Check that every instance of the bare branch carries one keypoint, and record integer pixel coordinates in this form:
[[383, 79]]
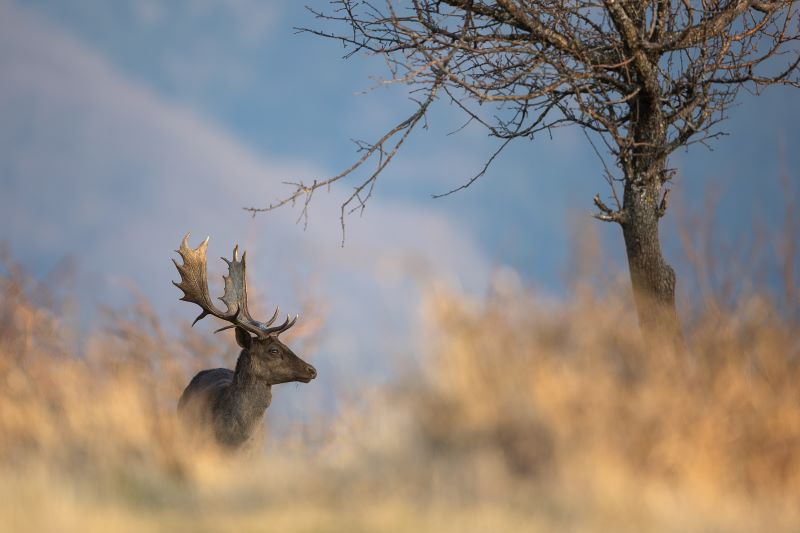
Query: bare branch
[[607, 214], [478, 175], [645, 77]]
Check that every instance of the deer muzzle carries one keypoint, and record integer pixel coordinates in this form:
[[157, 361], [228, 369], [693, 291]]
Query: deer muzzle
[[310, 373]]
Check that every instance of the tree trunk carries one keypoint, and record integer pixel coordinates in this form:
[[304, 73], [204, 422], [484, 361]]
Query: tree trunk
[[652, 279]]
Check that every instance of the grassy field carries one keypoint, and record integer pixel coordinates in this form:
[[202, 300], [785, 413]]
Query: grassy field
[[523, 415]]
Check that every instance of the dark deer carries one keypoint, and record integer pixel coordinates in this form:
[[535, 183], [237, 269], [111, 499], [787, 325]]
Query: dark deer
[[227, 404]]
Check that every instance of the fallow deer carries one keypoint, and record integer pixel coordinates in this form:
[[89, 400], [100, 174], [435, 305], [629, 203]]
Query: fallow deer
[[230, 405]]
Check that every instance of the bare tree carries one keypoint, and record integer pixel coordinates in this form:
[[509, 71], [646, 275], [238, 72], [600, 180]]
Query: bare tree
[[641, 77]]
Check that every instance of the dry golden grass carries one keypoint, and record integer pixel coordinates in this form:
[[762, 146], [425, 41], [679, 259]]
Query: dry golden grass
[[523, 415]]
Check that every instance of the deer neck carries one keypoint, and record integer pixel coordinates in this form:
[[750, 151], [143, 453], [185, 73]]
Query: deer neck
[[248, 396]]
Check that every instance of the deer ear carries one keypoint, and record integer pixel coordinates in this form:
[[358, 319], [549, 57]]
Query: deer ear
[[243, 338]]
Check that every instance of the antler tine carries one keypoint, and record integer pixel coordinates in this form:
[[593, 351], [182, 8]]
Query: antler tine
[[266, 331], [283, 327], [274, 316]]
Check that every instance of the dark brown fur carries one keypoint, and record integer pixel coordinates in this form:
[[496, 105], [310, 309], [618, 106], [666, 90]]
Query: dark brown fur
[[230, 405]]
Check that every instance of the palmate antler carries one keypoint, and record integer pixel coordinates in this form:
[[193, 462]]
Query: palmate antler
[[194, 284]]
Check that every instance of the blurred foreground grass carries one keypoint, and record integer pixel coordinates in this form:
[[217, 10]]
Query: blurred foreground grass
[[523, 415]]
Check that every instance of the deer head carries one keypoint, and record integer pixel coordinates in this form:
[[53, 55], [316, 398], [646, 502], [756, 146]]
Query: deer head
[[270, 361]]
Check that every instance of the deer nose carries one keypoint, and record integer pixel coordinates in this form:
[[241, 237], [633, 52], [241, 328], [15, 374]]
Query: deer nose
[[312, 371]]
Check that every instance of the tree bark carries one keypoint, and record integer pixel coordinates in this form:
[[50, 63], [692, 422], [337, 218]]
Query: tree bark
[[652, 279]]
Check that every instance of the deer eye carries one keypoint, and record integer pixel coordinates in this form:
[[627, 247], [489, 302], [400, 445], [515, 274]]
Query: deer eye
[[273, 351]]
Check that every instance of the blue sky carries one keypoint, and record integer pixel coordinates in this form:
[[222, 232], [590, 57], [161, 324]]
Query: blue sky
[[127, 123]]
